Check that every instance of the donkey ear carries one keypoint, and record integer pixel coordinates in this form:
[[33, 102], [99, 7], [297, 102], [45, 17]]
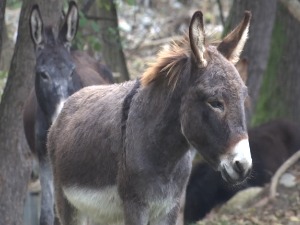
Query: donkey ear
[[242, 68], [69, 29], [197, 38], [36, 25], [233, 44]]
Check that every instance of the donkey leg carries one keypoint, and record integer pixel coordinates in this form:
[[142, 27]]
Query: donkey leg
[[67, 214], [47, 216], [47, 199], [180, 217], [170, 218], [135, 213]]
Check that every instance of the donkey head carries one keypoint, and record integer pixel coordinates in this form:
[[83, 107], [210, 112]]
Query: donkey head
[[55, 70], [212, 111]]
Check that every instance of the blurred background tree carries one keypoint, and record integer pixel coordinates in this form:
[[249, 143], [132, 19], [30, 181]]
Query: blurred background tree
[[273, 58], [258, 45], [2, 18], [103, 19], [280, 89]]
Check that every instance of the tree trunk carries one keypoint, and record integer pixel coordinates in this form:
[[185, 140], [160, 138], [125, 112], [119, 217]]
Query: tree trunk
[[2, 21], [7, 50], [258, 45], [110, 38], [279, 95], [15, 160]]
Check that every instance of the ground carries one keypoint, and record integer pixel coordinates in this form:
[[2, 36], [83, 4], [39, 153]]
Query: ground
[[283, 210]]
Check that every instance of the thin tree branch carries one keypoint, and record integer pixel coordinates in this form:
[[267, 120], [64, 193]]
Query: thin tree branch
[[293, 7], [293, 159]]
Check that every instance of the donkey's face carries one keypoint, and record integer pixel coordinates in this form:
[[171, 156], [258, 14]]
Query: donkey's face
[[212, 112], [56, 78]]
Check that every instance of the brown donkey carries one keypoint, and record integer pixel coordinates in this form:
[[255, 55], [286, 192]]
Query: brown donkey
[[120, 153], [59, 73]]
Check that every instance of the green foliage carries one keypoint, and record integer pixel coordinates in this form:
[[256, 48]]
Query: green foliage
[[95, 27], [82, 19], [89, 30], [89, 34], [130, 2], [3, 75], [113, 34], [13, 3], [270, 104], [104, 4]]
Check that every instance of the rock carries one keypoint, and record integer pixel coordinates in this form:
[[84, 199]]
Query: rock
[[288, 180], [34, 187], [124, 26], [239, 201]]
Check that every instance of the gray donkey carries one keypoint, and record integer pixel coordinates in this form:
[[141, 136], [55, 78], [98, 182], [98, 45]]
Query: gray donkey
[[59, 73], [120, 153]]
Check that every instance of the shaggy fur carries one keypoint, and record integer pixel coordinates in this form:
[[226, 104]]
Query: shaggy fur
[[140, 178]]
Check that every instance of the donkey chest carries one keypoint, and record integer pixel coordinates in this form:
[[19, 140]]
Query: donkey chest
[[105, 206]]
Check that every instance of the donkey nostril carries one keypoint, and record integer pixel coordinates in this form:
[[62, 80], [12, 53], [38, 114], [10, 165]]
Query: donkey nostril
[[239, 167]]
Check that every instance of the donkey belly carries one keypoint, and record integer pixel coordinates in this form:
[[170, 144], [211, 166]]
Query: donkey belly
[[103, 205]]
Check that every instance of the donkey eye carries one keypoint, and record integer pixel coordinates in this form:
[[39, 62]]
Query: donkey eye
[[217, 105], [44, 76], [72, 71]]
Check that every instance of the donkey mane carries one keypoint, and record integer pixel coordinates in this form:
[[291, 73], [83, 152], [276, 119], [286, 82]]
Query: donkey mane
[[170, 61]]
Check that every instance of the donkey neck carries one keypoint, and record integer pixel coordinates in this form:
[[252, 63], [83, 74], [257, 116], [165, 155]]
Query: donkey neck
[[155, 110]]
